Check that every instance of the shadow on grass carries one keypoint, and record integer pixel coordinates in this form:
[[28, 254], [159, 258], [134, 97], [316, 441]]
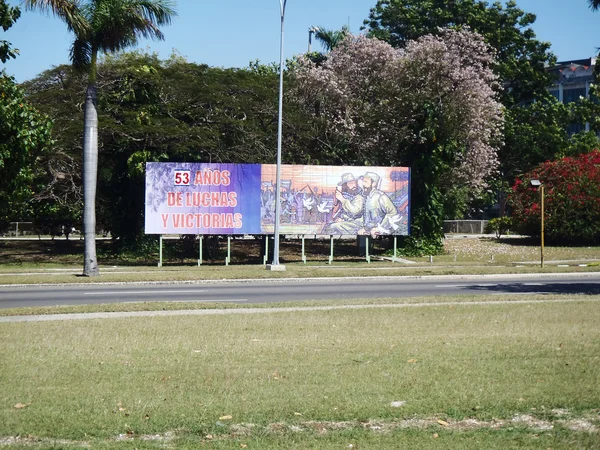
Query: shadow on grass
[[183, 252], [527, 241], [41, 251], [524, 241]]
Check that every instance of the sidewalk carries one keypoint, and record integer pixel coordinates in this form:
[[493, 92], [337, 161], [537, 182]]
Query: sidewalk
[[213, 312]]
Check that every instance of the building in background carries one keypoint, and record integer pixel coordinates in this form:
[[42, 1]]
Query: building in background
[[573, 80]]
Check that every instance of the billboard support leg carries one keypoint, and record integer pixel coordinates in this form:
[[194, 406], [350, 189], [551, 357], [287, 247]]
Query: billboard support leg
[[160, 250], [228, 257], [303, 254], [266, 257], [367, 256], [395, 246], [200, 250], [330, 249]]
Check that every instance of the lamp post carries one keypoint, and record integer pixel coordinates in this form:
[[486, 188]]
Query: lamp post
[[538, 183], [311, 30], [275, 264]]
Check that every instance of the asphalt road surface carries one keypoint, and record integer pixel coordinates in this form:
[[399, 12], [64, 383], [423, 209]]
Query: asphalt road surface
[[287, 290]]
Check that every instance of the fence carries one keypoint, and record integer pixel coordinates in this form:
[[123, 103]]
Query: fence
[[19, 229], [465, 226]]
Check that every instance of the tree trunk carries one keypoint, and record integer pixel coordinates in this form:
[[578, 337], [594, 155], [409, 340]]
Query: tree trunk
[[90, 176]]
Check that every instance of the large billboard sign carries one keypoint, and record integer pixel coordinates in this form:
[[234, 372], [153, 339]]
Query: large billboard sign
[[206, 198]]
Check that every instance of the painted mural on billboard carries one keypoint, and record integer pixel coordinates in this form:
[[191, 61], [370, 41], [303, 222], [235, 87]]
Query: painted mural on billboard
[[199, 198]]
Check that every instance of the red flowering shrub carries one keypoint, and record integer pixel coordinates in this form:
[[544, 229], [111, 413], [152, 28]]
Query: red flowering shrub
[[571, 200]]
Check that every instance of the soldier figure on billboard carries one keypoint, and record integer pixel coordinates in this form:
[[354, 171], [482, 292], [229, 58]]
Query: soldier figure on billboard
[[348, 208], [380, 215]]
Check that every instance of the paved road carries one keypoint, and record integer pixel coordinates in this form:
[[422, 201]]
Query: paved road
[[287, 290]]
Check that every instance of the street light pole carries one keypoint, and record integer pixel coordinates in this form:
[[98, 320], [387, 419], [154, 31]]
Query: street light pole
[[275, 264], [538, 183], [542, 246], [311, 30]]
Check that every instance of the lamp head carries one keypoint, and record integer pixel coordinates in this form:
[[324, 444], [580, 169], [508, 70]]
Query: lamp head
[[535, 183]]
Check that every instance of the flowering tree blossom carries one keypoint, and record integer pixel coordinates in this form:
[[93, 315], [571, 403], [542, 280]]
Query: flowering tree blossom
[[347, 89], [376, 98], [449, 78], [431, 105]]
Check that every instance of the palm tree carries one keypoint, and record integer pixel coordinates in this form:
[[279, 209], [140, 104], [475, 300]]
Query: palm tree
[[595, 4], [330, 39], [101, 26]]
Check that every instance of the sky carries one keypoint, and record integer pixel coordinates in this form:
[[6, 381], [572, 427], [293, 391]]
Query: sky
[[231, 33]]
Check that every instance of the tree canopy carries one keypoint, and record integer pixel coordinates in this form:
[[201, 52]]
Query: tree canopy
[[8, 16], [520, 57], [24, 136], [535, 122], [443, 101], [167, 110]]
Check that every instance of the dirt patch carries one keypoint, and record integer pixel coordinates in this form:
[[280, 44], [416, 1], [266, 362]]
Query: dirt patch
[[579, 425]]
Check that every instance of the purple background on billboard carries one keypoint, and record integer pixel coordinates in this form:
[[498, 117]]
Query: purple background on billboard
[[193, 218]]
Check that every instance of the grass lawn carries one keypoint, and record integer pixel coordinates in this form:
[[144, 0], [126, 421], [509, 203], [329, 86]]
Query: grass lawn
[[470, 376]]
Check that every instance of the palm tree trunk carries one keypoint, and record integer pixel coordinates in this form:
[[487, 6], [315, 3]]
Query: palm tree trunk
[[90, 174]]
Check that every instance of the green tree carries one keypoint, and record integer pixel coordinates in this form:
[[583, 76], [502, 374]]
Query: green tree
[[533, 134], [8, 16], [541, 130], [520, 57], [101, 26], [168, 110], [25, 135]]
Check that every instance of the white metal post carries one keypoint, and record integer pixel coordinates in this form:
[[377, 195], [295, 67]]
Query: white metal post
[[275, 264], [160, 245]]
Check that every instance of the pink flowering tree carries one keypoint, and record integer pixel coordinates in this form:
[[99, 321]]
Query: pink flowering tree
[[431, 106], [571, 200]]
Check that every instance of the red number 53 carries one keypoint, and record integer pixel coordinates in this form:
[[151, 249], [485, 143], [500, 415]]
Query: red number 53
[[182, 178]]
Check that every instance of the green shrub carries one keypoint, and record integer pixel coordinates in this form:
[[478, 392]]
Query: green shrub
[[499, 225]]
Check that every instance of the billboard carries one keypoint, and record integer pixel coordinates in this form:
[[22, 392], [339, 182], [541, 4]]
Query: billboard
[[207, 198]]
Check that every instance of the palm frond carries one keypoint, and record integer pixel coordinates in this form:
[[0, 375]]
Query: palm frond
[[69, 11], [595, 4], [330, 39], [160, 12], [81, 55], [119, 24]]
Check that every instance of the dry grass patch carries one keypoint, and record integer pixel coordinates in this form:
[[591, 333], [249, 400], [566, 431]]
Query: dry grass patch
[[511, 250]]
